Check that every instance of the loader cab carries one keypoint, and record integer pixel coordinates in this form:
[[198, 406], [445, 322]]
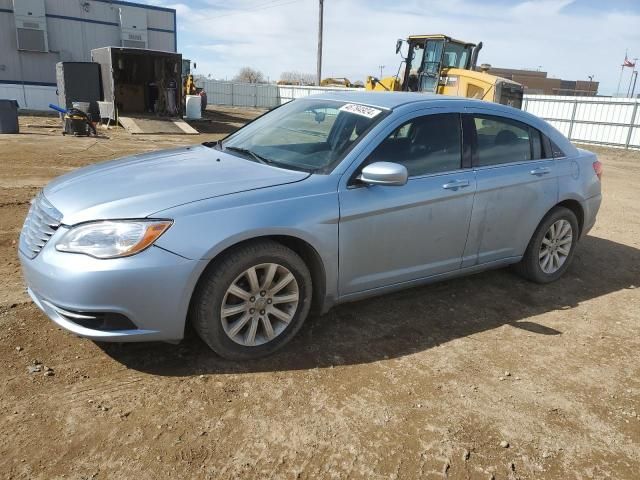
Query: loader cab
[[426, 57]]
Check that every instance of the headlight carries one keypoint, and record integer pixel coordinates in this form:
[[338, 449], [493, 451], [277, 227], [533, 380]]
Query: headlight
[[111, 239]]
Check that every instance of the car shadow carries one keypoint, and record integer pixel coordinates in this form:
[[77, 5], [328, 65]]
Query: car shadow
[[412, 320]]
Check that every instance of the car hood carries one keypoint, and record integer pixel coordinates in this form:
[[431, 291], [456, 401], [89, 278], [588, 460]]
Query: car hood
[[140, 185]]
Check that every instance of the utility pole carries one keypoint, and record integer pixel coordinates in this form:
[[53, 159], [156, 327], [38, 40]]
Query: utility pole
[[319, 70], [381, 67], [590, 77], [617, 94]]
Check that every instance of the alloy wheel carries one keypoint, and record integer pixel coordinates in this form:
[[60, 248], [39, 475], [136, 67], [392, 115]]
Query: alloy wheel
[[259, 304], [555, 247]]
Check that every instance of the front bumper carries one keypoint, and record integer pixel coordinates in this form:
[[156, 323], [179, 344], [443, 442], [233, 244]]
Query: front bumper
[[151, 290]]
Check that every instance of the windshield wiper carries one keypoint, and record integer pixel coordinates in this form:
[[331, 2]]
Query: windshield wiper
[[246, 151], [217, 144], [267, 161]]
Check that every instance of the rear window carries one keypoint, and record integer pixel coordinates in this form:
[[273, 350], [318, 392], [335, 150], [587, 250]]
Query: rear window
[[502, 140]]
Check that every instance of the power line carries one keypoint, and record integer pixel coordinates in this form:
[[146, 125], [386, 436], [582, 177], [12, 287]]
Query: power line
[[262, 6]]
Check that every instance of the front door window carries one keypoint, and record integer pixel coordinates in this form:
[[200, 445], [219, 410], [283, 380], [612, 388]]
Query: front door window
[[424, 145]]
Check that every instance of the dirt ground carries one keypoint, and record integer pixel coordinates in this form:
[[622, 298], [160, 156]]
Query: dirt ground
[[425, 383]]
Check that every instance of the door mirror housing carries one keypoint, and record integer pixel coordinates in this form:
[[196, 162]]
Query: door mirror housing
[[384, 173]]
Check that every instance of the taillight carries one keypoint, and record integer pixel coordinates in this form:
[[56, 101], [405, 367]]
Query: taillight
[[597, 167]]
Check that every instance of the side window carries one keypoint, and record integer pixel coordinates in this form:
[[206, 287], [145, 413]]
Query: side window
[[402, 132], [546, 143], [551, 150], [536, 144], [428, 144], [502, 140], [556, 150]]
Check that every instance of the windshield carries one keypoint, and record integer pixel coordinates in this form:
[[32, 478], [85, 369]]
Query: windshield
[[309, 135]]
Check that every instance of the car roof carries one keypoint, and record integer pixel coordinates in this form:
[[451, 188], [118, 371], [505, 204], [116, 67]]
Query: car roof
[[393, 100], [390, 100]]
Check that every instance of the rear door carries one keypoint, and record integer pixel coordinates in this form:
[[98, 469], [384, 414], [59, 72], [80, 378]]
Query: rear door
[[516, 185]]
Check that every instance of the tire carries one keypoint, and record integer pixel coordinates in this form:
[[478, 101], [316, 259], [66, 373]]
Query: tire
[[230, 275], [531, 265]]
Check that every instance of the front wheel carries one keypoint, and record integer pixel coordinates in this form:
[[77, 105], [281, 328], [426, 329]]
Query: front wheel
[[252, 301], [551, 248]]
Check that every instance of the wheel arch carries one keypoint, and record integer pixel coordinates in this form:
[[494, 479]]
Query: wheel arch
[[570, 203], [314, 262], [525, 267], [304, 249], [576, 207]]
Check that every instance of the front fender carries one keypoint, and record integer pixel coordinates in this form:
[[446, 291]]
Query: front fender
[[307, 211]]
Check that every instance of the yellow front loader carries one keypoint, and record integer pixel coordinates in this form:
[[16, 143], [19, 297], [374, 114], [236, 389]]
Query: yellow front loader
[[441, 64]]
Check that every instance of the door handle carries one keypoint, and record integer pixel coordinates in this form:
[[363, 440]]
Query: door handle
[[455, 184], [540, 171]]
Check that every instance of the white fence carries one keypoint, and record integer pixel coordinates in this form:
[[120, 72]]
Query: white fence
[[597, 120], [30, 97], [257, 95]]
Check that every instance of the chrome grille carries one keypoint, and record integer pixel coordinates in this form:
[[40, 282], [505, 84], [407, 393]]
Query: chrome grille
[[42, 221]]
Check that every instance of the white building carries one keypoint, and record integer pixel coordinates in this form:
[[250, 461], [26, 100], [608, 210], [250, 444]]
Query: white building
[[37, 34]]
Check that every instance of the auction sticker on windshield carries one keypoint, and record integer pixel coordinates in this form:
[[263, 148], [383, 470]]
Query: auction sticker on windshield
[[363, 110]]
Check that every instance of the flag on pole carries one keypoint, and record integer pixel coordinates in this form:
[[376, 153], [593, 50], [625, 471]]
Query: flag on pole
[[628, 63]]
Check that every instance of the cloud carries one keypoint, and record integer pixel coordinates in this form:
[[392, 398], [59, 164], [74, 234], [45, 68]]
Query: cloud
[[359, 35]]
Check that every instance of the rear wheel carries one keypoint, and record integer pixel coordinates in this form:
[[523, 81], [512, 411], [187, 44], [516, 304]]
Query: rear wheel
[[252, 301], [551, 248]]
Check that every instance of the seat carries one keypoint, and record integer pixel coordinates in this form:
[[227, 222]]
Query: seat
[[430, 149], [505, 137]]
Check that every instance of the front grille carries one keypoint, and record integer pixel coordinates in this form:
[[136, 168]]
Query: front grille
[[42, 221]]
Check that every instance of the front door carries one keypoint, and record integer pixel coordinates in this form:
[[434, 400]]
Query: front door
[[394, 234], [431, 66]]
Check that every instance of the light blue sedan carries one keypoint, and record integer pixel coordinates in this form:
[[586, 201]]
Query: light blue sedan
[[324, 200]]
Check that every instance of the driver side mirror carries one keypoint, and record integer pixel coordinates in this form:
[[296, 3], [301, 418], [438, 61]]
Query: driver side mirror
[[319, 117], [384, 173], [398, 46]]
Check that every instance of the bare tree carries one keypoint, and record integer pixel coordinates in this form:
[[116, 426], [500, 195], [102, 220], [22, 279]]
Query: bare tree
[[297, 78], [199, 79], [249, 75]]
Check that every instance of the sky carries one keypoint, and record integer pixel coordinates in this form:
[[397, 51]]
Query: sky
[[569, 39]]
